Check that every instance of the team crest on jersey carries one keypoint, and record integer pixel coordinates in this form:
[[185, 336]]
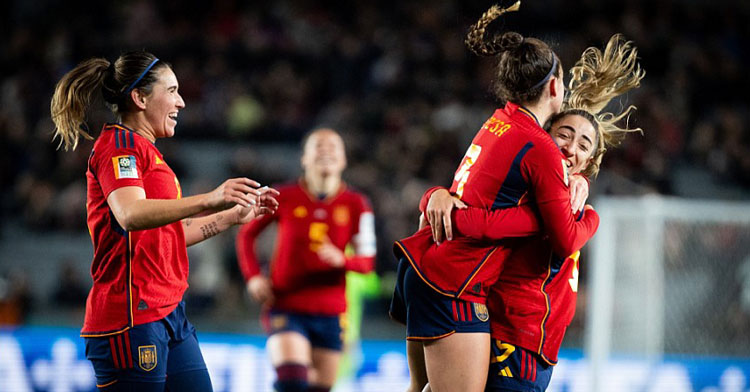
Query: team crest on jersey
[[300, 212], [565, 171], [341, 215], [125, 166], [147, 357], [481, 311]]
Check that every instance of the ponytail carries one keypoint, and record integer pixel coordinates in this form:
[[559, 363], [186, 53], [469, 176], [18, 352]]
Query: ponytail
[[524, 64], [72, 97], [499, 43], [75, 91]]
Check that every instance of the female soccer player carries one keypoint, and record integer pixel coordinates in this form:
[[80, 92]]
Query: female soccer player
[[137, 335], [442, 290], [534, 299], [303, 292]]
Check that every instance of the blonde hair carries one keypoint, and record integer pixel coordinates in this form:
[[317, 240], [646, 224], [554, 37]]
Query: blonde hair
[[597, 78], [72, 97], [76, 90]]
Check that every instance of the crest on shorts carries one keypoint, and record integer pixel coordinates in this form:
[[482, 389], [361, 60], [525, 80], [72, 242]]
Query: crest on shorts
[[147, 357], [278, 321], [481, 311]]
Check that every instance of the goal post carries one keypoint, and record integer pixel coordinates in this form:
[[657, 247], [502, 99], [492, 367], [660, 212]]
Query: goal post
[[664, 276]]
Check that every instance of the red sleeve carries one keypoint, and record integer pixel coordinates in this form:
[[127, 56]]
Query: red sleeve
[[121, 167], [245, 245], [426, 197], [363, 240], [482, 224], [544, 170]]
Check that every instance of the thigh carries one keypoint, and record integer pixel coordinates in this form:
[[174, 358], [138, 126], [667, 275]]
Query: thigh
[[417, 370], [458, 362], [325, 366], [288, 347]]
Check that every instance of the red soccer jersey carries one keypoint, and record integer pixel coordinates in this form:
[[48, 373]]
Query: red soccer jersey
[[512, 161], [534, 300], [301, 281], [139, 276]]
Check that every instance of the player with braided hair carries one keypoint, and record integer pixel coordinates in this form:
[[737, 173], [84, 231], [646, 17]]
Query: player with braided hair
[[534, 299], [442, 290]]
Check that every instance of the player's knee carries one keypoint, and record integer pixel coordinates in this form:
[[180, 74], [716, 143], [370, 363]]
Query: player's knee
[[291, 377]]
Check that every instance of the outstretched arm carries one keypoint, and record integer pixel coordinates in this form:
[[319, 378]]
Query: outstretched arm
[[133, 211], [205, 227]]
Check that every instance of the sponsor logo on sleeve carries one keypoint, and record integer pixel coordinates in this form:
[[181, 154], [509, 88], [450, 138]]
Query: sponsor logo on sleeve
[[125, 166]]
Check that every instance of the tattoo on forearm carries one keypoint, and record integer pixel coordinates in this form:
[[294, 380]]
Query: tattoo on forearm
[[209, 230]]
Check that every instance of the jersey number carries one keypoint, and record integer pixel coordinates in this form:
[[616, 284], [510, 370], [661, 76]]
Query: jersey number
[[462, 175], [508, 349], [574, 279], [318, 234]]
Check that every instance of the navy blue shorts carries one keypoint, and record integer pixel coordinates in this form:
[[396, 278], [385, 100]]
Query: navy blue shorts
[[148, 352], [322, 331], [430, 315], [515, 369]]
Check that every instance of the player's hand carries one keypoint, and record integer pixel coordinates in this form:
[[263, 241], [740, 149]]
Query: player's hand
[[232, 192], [331, 255], [579, 192], [438, 214], [422, 222], [265, 204], [260, 290]]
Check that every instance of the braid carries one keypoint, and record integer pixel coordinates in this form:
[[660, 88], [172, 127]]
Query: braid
[[499, 43]]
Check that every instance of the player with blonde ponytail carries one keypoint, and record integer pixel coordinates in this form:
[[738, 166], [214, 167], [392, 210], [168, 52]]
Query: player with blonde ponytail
[[136, 331]]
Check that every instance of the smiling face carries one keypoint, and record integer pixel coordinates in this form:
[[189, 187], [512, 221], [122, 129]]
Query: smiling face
[[163, 104], [576, 138], [323, 153]]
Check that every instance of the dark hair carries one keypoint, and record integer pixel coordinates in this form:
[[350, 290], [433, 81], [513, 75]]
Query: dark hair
[[74, 92], [524, 64]]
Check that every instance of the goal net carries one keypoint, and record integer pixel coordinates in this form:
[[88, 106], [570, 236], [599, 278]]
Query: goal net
[[667, 277]]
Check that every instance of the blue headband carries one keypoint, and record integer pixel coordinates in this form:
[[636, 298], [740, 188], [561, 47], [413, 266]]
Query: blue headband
[[549, 75], [145, 71]]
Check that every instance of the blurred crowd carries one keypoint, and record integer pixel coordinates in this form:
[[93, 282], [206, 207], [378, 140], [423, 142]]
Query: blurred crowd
[[393, 76]]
